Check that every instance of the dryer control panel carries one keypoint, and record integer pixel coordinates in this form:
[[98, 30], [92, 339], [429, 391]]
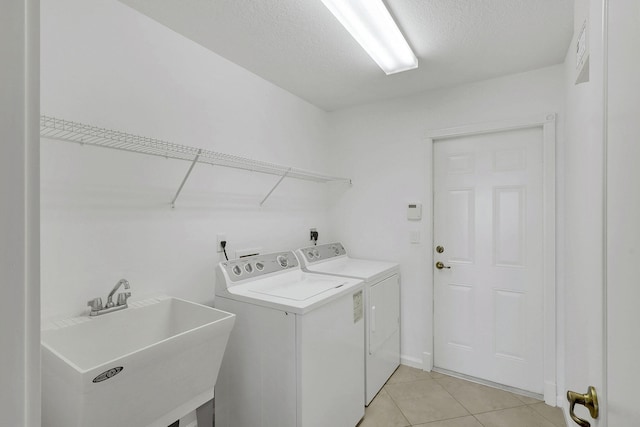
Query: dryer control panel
[[323, 252], [259, 265]]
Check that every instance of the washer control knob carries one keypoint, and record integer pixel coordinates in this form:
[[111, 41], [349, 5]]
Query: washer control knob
[[248, 268], [316, 253], [259, 266], [236, 270], [283, 261], [310, 255]]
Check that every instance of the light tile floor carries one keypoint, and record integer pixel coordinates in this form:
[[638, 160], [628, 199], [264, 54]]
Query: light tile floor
[[413, 397]]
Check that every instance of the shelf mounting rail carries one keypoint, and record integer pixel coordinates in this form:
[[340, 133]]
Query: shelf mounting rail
[[64, 130]]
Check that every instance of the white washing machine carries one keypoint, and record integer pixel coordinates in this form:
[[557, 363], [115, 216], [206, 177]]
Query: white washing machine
[[295, 356], [382, 307]]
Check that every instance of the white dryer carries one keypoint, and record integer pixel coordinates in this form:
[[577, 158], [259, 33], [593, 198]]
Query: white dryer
[[295, 356], [382, 307]]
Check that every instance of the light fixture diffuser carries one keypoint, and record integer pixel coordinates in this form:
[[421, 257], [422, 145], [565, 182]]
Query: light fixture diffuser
[[371, 24]]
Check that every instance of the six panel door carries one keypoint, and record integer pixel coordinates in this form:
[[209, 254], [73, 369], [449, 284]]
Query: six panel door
[[488, 217]]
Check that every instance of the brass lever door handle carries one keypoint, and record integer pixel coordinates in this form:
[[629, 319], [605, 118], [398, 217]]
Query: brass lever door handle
[[589, 400], [440, 265]]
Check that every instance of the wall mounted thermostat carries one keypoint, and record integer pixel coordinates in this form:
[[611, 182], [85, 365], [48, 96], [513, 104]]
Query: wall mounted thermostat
[[414, 211]]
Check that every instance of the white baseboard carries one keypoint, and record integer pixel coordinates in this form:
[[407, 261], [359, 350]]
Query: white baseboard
[[550, 393], [427, 362], [413, 362]]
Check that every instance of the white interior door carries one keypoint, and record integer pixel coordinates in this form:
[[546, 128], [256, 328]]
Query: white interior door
[[623, 216], [488, 217]]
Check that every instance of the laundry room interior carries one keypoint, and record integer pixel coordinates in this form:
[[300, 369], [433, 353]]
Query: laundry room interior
[[192, 153]]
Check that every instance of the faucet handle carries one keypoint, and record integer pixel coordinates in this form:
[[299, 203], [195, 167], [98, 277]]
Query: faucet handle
[[122, 298], [95, 304]]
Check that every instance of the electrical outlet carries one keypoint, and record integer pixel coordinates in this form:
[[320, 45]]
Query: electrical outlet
[[220, 238], [313, 235]]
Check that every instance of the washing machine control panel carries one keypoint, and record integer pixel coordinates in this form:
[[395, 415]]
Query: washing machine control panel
[[259, 265], [322, 252]]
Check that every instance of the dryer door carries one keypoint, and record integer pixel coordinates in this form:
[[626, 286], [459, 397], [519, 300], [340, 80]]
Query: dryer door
[[383, 334], [384, 312]]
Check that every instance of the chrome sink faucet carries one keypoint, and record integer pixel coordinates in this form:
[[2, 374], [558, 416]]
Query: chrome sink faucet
[[124, 282], [96, 303]]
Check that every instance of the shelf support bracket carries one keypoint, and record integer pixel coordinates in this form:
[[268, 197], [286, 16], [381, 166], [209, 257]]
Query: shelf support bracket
[[275, 186], [193, 163]]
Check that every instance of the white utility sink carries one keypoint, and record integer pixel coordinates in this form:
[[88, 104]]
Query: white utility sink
[[147, 365]]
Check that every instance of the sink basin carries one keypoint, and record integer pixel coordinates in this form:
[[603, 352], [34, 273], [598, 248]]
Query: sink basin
[[147, 365]]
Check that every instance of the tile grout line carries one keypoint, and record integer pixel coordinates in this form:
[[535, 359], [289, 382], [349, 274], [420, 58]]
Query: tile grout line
[[537, 414], [454, 398], [494, 410], [448, 419], [447, 391], [413, 380], [479, 422], [500, 409], [541, 414], [396, 405]]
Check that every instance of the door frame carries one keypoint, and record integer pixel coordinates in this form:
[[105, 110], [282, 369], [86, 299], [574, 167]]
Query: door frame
[[547, 123]]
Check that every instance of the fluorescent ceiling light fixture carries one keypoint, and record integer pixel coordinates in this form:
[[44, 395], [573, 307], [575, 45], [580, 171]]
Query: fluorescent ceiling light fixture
[[371, 24]]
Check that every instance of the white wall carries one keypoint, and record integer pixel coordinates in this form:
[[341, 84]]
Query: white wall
[[106, 214], [382, 147], [584, 210], [19, 215]]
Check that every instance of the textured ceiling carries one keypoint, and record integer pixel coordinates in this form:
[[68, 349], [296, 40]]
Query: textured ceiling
[[299, 46]]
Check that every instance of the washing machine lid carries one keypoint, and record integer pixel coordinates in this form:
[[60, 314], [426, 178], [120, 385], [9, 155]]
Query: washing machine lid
[[306, 287], [267, 280], [357, 268], [293, 291], [332, 258]]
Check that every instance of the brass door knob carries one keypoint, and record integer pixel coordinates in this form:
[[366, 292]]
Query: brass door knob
[[440, 265], [589, 400]]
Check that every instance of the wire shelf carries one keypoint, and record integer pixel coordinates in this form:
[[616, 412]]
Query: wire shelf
[[65, 130]]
